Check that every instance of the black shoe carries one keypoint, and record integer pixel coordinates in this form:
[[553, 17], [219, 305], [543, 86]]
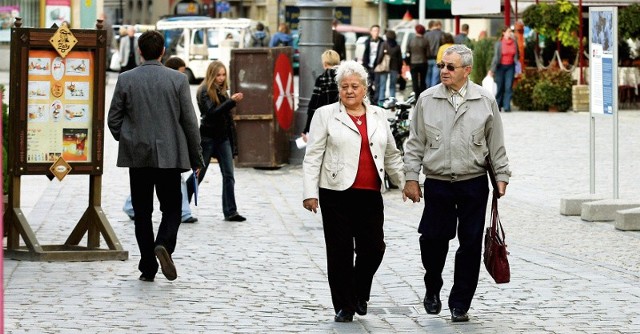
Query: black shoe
[[432, 304], [190, 220], [458, 315], [166, 263], [145, 278], [361, 307], [235, 218], [343, 316]]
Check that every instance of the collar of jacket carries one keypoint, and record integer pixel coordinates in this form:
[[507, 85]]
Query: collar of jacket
[[152, 62], [371, 112], [473, 93]]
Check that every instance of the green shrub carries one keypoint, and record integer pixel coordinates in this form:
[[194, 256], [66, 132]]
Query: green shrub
[[482, 54], [553, 90], [523, 90], [628, 23]]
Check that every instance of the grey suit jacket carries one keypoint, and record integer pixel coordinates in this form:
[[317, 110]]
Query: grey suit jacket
[[152, 117]]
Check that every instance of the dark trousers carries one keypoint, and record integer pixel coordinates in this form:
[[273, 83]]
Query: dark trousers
[[373, 88], [451, 206], [419, 78], [221, 150], [167, 186], [348, 216]]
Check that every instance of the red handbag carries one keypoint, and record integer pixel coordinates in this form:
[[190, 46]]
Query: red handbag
[[495, 249]]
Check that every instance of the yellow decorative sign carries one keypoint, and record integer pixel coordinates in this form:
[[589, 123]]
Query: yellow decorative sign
[[60, 168], [63, 40]]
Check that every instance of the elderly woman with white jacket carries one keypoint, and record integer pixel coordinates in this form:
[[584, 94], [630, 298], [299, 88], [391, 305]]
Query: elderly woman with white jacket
[[349, 150]]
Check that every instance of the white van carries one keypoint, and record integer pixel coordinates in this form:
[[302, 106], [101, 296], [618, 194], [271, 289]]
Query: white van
[[199, 39]]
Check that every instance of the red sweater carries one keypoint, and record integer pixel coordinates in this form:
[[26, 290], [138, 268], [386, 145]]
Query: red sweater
[[367, 176], [508, 51]]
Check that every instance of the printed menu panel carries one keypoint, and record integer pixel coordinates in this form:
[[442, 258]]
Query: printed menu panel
[[60, 106]]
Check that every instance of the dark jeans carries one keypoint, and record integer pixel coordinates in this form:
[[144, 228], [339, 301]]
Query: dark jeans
[[419, 78], [221, 150], [167, 186], [348, 216], [451, 206], [504, 80]]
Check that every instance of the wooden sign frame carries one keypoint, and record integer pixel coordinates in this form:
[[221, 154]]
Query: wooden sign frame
[[57, 103]]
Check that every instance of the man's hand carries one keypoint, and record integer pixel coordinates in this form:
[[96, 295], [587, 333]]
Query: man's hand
[[412, 191], [502, 188]]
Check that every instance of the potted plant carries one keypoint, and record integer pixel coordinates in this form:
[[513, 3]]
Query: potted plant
[[553, 91], [523, 90]]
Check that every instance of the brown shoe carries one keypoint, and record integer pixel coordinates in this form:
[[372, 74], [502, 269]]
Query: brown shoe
[[166, 263]]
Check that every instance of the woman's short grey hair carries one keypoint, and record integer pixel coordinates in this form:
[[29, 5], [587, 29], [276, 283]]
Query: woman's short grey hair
[[465, 53], [350, 67]]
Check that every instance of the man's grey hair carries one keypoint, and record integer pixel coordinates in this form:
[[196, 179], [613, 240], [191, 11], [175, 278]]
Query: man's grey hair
[[351, 67], [465, 53]]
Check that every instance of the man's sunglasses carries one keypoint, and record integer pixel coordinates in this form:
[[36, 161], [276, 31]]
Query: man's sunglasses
[[449, 67]]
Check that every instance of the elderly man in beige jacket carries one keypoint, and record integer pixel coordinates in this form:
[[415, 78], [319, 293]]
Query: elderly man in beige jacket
[[456, 125]]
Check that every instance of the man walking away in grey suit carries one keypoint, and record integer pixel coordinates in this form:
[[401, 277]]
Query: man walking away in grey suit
[[152, 117]]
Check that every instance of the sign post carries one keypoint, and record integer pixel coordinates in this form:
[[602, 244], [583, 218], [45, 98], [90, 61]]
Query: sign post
[[56, 128], [603, 82]]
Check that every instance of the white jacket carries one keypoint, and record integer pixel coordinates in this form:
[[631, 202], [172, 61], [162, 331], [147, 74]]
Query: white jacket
[[333, 151]]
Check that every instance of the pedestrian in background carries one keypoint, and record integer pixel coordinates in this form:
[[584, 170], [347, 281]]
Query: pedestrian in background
[[129, 56], [463, 36], [219, 137], [350, 148], [434, 36], [369, 59], [445, 42], [391, 48], [175, 63], [282, 37], [454, 127], [503, 67], [259, 38], [325, 90], [418, 57], [152, 117], [338, 40]]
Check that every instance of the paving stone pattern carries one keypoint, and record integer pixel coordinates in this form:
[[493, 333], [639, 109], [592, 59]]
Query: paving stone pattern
[[268, 274]]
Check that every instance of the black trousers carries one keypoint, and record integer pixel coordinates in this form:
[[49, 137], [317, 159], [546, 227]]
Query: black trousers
[[349, 216], [451, 206], [167, 186], [418, 78]]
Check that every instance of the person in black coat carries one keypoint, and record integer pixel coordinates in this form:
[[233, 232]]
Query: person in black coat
[[218, 132], [339, 43], [325, 90], [369, 60]]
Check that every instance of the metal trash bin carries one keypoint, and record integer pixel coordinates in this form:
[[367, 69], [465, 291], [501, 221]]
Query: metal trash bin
[[264, 118]]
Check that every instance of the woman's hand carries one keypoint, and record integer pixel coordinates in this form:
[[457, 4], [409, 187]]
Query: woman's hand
[[237, 97], [311, 204]]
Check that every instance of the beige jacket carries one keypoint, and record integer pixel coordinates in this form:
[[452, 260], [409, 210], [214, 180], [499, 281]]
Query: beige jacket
[[450, 145], [333, 150]]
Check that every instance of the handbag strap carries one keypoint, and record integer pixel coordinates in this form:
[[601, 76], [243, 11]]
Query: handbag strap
[[496, 226], [497, 232]]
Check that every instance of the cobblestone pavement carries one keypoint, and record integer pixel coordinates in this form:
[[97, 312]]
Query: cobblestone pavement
[[268, 274]]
